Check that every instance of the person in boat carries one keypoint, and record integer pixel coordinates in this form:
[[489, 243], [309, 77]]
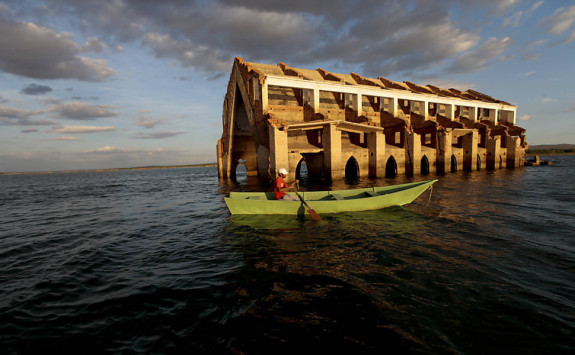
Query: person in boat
[[281, 187]]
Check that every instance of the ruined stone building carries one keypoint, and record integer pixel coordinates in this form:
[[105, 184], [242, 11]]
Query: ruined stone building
[[347, 125]]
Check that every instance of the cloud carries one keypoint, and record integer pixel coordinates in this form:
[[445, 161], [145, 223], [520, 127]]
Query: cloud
[[547, 100], [149, 122], [522, 75], [158, 135], [566, 40], [82, 111], [31, 130], [82, 129], [19, 117], [560, 21], [479, 58], [35, 89], [40, 53], [69, 138], [526, 117], [379, 36], [3, 100], [518, 17]]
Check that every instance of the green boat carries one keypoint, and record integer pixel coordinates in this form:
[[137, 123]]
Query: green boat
[[364, 199]]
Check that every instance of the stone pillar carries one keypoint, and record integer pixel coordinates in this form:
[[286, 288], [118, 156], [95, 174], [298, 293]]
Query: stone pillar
[[278, 150], [358, 104], [315, 100], [414, 151], [473, 114], [492, 115], [220, 159], [265, 97], [449, 111], [391, 106], [444, 151], [332, 152], [376, 149], [493, 151], [470, 142], [513, 155]]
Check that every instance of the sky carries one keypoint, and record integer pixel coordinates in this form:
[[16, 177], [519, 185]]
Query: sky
[[129, 83]]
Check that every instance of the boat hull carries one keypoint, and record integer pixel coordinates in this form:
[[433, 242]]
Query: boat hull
[[328, 201]]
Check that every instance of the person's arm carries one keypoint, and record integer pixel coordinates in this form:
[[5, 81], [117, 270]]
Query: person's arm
[[290, 186]]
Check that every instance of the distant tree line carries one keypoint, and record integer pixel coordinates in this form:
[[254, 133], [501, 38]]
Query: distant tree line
[[550, 151]]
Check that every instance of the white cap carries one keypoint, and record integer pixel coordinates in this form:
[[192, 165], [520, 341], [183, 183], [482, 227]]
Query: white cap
[[283, 171]]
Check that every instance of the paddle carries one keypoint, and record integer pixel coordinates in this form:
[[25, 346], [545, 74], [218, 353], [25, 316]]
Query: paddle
[[310, 210]]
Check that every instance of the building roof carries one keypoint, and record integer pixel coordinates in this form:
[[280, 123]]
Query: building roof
[[322, 75]]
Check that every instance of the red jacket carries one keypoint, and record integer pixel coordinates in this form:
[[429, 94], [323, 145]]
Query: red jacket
[[280, 184]]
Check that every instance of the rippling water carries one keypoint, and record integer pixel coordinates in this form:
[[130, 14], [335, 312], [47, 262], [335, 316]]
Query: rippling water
[[151, 261]]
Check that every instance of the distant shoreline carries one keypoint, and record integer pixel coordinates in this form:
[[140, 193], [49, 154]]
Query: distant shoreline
[[111, 169]]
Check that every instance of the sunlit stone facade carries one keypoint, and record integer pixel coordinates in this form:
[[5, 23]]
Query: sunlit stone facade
[[346, 125]]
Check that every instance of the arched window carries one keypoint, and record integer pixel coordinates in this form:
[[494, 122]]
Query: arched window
[[453, 164], [240, 172], [301, 172], [352, 170], [391, 168], [424, 165]]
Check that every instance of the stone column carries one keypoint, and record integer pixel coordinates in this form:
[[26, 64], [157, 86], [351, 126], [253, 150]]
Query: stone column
[[493, 151], [513, 155], [492, 115], [414, 151], [358, 104], [265, 97], [473, 114], [332, 151], [278, 150], [449, 111], [376, 149], [470, 142], [444, 151]]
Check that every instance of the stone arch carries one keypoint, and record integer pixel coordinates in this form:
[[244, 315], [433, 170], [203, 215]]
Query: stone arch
[[301, 171], [239, 170], [424, 165], [453, 163], [243, 144], [391, 167], [352, 169]]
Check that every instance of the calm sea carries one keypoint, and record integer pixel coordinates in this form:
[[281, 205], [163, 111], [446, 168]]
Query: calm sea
[[151, 261]]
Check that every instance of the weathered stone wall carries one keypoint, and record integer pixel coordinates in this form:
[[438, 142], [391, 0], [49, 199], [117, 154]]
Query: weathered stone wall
[[277, 116]]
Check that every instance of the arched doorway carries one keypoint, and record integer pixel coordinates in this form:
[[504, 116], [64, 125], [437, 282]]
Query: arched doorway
[[478, 162], [239, 171], [352, 170], [424, 165], [301, 172], [391, 168], [453, 164]]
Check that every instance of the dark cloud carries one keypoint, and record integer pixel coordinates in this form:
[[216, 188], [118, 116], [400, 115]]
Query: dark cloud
[[35, 89], [378, 36], [32, 130], [38, 52]]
